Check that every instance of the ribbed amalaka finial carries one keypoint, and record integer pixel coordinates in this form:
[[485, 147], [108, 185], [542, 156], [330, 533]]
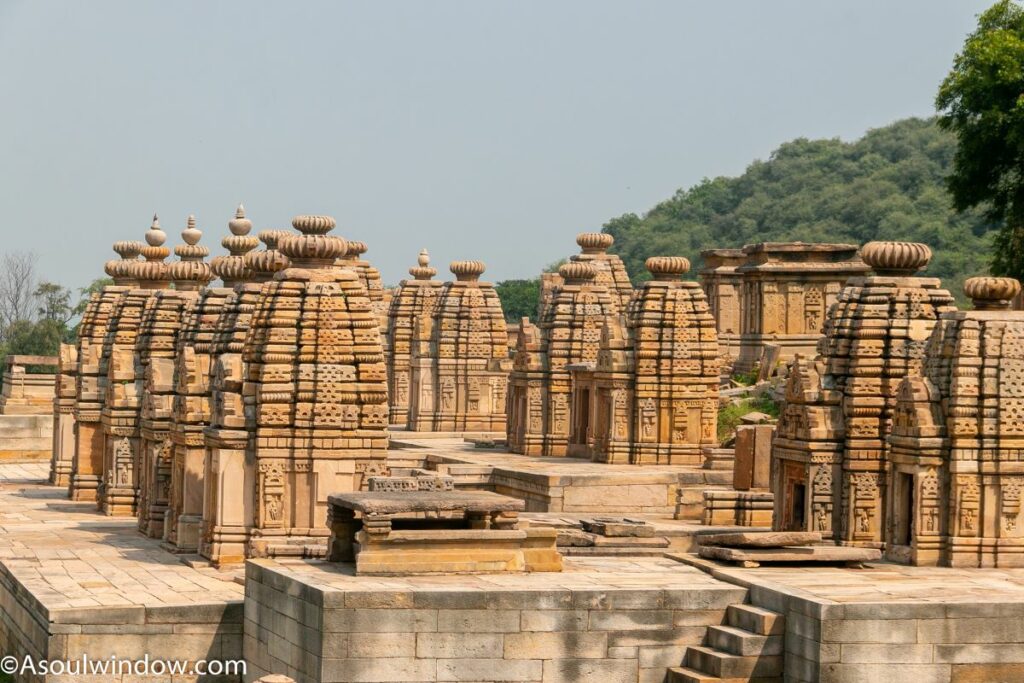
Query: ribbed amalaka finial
[[191, 272], [152, 273], [992, 293], [577, 272], [423, 271], [313, 248], [594, 242], [467, 271], [121, 269], [238, 243], [667, 267], [896, 258], [355, 249], [266, 262]]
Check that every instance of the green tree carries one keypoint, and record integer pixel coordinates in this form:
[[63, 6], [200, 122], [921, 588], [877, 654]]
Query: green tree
[[54, 302], [889, 184], [519, 298], [982, 102]]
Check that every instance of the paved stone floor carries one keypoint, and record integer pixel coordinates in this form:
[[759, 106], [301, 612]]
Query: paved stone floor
[[885, 582], [69, 556]]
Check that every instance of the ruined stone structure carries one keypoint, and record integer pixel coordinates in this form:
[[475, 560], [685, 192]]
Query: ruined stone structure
[[227, 511], [459, 367], [568, 333], [314, 372], [64, 416], [190, 412], [156, 350], [723, 286], [411, 307], [953, 488], [787, 289], [830, 454], [122, 401], [90, 382], [652, 396]]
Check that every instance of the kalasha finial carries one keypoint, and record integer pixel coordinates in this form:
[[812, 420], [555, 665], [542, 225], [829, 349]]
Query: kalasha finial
[[155, 237], [594, 242], [467, 271], [577, 271], [423, 271], [992, 293], [191, 234], [896, 258], [314, 247], [667, 267], [240, 225]]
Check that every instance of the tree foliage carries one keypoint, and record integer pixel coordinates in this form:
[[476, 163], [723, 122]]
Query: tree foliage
[[519, 298], [982, 102], [889, 184]]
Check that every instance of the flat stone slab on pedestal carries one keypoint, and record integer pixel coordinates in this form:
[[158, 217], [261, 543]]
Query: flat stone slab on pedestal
[[752, 557], [399, 502], [760, 539], [618, 526]]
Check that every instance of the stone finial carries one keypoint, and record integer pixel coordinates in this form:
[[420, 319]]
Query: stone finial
[[423, 271], [240, 225], [153, 270], [269, 261], [992, 293], [577, 271], [667, 267], [594, 242], [356, 248], [313, 248], [467, 271], [896, 258], [121, 269], [191, 271]]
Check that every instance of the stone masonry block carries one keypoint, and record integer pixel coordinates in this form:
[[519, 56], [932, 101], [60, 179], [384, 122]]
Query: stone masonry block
[[459, 645], [555, 645]]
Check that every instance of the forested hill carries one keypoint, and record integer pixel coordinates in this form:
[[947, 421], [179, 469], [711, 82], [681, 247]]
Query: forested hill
[[886, 185]]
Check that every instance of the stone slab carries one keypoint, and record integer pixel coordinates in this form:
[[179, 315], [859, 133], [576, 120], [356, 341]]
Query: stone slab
[[804, 554], [761, 539], [398, 502]]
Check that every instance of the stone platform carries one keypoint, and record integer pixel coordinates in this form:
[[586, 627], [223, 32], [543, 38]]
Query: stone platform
[[74, 582], [26, 437], [561, 484]]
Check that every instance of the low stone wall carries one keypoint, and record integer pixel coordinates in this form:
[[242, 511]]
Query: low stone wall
[[298, 625], [26, 437]]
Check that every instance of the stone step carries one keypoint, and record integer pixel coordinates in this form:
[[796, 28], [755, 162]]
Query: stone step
[[684, 674], [725, 665], [737, 641], [756, 620]]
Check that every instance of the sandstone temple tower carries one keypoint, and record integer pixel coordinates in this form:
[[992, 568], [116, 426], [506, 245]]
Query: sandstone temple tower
[[568, 333], [369, 277], [191, 409], [611, 271], [652, 398], [411, 306], [227, 510], [155, 353], [314, 369], [123, 400], [829, 457], [955, 468], [90, 383], [459, 366]]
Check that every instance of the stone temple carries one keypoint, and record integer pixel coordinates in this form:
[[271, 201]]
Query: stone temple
[[270, 463]]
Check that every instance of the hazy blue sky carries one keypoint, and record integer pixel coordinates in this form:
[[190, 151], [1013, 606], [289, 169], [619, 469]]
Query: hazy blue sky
[[486, 130]]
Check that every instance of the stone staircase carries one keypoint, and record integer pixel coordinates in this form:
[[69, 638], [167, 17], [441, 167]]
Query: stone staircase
[[748, 648]]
